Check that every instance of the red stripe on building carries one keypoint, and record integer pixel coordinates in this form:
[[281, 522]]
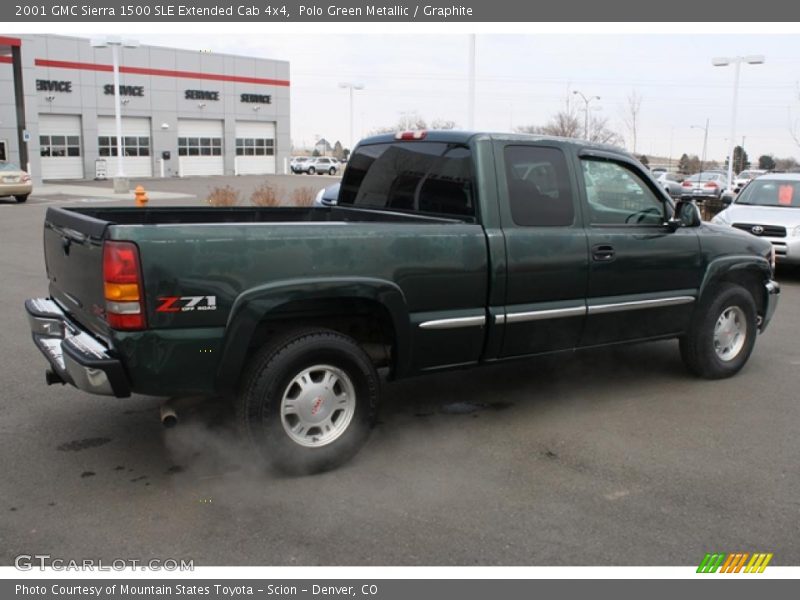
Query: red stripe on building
[[9, 41], [6, 59], [64, 64]]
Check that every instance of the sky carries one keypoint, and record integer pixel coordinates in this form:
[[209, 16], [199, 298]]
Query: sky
[[525, 79]]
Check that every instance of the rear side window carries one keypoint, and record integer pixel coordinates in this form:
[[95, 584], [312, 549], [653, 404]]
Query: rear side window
[[424, 177], [538, 186]]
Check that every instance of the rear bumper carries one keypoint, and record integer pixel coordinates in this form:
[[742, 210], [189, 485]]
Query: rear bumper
[[772, 291], [75, 356]]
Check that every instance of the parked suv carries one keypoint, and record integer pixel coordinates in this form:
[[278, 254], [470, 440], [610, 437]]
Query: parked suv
[[769, 208], [320, 165]]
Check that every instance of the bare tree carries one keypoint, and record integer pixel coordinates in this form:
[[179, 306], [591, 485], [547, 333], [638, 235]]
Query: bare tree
[[630, 117], [568, 125], [443, 124]]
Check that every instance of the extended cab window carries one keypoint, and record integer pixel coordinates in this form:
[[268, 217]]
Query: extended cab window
[[618, 196], [538, 186], [426, 177]]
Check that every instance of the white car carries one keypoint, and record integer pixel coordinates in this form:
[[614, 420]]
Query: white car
[[745, 177], [296, 163], [769, 208]]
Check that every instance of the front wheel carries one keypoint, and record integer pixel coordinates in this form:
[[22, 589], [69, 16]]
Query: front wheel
[[332, 171], [722, 334], [311, 170], [309, 400]]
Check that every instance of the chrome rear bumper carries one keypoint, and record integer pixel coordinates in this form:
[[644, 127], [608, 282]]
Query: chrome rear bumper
[[75, 356]]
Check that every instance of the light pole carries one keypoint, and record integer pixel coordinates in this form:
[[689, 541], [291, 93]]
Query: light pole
[[736, 61], [586, 101], [351, 86], [705, 142], [471, 81], [115, 43]]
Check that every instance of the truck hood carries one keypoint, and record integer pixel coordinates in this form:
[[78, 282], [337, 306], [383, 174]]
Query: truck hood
[[763, 215]]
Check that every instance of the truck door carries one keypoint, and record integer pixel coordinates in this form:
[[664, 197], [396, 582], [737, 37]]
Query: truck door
[[546, 250], [643, 276]]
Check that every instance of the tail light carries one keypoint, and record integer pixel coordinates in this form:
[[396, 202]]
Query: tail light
[[712, 184], [122, 286], [410, 135], [686, 183], [25, 178]]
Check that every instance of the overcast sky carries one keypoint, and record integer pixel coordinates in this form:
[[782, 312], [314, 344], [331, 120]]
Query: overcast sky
[[523, 80]]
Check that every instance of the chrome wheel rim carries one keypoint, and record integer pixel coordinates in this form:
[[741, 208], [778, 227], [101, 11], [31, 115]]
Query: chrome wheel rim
[[730, 333], [318, 405]]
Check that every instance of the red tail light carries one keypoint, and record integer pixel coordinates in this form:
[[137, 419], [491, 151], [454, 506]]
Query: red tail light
[[686, 183], [711, 184], [410, 135], [122, 284], [25, 178]]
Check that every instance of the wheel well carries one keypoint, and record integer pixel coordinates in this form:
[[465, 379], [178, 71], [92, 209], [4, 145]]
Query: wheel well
[[752, 281], [366, 321]]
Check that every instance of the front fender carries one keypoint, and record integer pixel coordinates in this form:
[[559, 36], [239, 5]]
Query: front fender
[[254, 305], [732, 267]]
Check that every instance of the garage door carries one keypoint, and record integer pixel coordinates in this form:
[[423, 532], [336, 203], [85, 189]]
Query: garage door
[[136, 145], [199, 147], [61, 147], [255, 148]]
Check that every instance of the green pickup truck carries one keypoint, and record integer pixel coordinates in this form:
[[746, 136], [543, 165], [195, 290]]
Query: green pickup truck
[[444, 250]]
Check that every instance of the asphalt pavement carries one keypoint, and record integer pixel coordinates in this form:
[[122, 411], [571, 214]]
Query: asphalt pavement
[[609, 457]]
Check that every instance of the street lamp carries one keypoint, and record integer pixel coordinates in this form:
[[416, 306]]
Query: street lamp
[[724, 61], [586, 101], [115, 43], [351, 87], [705, 142]]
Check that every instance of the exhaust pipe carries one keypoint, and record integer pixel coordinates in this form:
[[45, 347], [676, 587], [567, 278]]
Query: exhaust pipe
[[169, 418], [52, 378]]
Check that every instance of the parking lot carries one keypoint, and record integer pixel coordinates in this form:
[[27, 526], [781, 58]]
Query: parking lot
[[603, 457]]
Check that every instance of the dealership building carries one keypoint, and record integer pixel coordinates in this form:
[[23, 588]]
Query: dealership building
[[183, 112]]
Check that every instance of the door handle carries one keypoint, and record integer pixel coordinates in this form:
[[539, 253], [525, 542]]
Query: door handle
[[603, 253]]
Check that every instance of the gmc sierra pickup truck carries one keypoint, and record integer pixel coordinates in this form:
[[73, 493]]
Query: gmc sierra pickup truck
[[444, 250]]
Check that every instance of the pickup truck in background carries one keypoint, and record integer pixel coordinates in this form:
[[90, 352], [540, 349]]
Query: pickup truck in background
[[444, 250]]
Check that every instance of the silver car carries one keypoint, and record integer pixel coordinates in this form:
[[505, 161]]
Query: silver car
[[323, 165], [769, 207], [707, 184], [670, 182]]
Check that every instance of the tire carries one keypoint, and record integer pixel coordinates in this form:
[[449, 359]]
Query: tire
[[332, 171], [311, 170], [712, 355], [22, 198], [301, 431]]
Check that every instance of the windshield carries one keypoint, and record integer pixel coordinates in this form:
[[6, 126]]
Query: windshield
[[7, 166], [771, 193], [747, 174]]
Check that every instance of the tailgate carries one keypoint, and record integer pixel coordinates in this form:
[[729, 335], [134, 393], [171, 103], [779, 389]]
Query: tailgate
[[73, 252]]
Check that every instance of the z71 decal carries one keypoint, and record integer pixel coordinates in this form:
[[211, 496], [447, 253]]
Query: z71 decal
[[186, 303]]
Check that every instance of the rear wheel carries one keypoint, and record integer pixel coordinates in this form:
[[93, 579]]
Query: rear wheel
[[332, 171], [722, 334], [309, 400], [21, 198]]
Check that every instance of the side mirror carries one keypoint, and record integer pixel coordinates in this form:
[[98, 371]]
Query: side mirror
[[686, 215], [727, 198]]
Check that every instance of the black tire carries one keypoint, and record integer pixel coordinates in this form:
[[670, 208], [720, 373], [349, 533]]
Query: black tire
[[271, 375], [332, 171], [311, 170], [22, 198], [698, 348]]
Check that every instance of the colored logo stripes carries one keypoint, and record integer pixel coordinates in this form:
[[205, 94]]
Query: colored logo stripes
[[734, 562]]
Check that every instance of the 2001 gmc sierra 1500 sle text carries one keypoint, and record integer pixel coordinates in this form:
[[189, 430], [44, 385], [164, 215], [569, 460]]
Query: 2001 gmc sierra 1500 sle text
[[446, 249]]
